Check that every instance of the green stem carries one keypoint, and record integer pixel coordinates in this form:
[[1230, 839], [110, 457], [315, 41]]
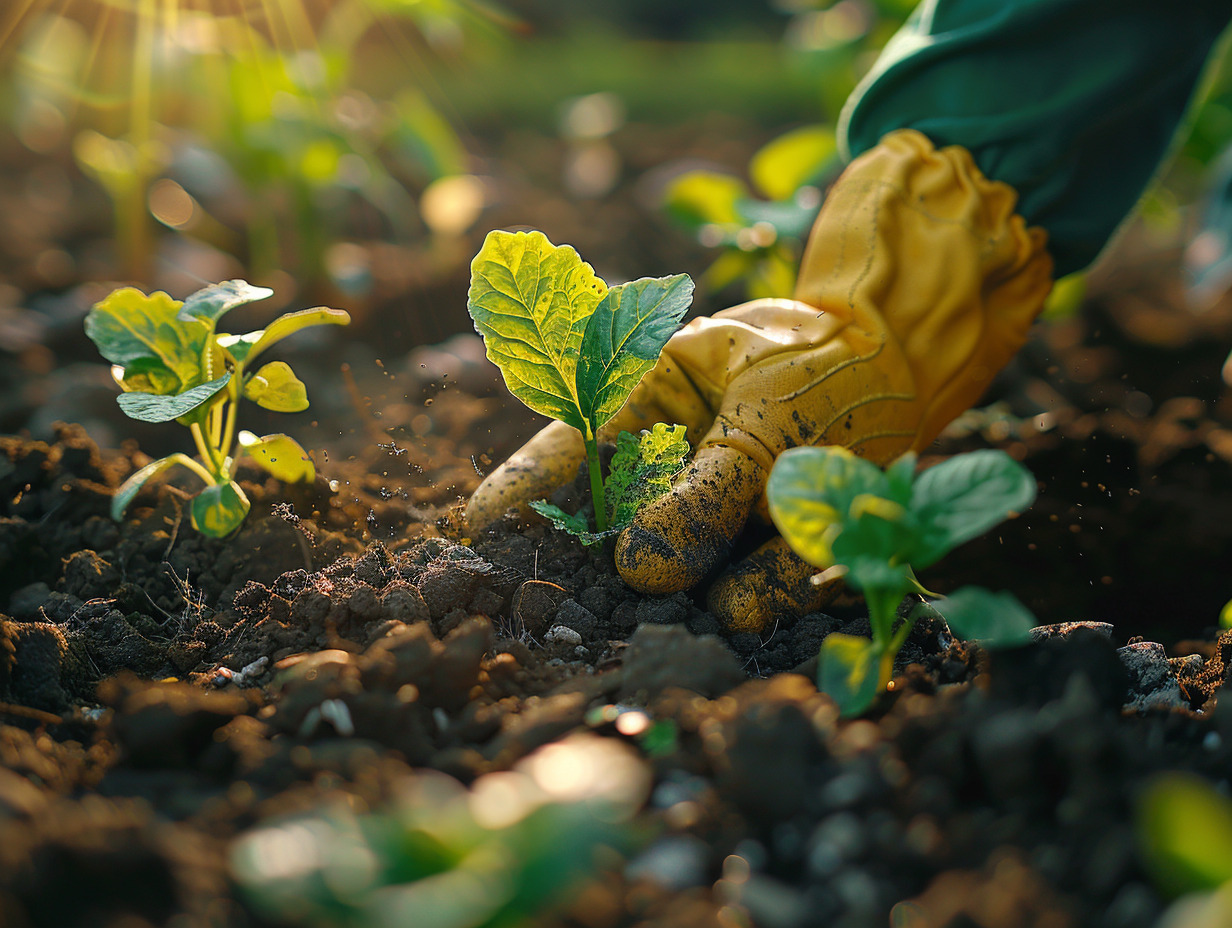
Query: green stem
[[882, 603], [900, 637], [185, 461], [596, 481], [208, 454], [228, 435]]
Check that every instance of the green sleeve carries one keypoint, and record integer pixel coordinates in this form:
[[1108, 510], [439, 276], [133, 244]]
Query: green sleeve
[[1074, 103]]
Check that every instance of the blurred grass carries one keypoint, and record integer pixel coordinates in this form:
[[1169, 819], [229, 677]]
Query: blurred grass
[[521, 84]]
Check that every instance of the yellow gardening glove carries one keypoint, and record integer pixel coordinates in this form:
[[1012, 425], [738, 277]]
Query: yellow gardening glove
[[918, 284]]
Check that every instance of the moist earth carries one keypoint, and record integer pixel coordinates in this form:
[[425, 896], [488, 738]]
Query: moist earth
[[162, 693]]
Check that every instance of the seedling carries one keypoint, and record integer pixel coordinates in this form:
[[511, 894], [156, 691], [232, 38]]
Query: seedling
[[641, 471], [571, 347], [871, 527], [171, 363], [494, 856]]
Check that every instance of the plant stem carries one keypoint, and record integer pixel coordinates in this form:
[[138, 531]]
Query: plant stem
[[900, 637], [882, 603], [208, 455], [228, 435], [185, 461], [596, 481]]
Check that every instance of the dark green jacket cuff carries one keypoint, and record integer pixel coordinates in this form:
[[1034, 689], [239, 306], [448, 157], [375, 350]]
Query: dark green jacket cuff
[[1074, 103]]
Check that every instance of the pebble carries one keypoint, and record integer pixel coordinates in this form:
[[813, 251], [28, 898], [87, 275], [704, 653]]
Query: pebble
[[562, 636]]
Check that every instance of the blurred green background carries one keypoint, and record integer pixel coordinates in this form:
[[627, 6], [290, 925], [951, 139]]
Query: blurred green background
[[355, 151]]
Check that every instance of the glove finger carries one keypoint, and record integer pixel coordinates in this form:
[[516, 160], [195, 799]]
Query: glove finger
[[547, 461], [771, 583], [680, 538]]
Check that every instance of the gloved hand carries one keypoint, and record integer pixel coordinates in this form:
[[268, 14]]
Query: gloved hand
[[918, 284]]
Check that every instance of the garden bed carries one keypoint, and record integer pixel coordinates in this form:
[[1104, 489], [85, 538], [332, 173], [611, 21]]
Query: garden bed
[[163, 694]]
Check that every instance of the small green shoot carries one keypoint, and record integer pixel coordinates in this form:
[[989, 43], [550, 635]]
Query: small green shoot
[[845, 515], [172, 363], [641, 471], [569, 346]]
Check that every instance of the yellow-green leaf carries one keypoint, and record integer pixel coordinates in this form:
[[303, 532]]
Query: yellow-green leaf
[[155, 380], [285, 325], [530, 300], [1185, 833], [281, 455], [643, 468], [141, 334], [623, 339], [132, 486], [810, 493], [219, 510], [701, 197], [852, 670], [152, 407], [276, 387], [796, 158], [209, 303]]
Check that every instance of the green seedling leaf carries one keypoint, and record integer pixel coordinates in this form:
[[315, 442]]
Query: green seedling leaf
[[276, 387], [281, 455], [965, 496], [1185, 834], [994, 619], [643, 468], [792, 160], [575, 525], [287, 324], [700, 198], [530, 300], [155, 380], [239, 346], [132, 486], [869, 572], [143, 334], [623, 339], [851, 670], [811, 492], [219, 510], [150, 407], [1225, 615], [210, 303]]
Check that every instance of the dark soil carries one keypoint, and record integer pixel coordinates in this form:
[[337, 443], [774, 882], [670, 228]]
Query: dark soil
[[162, 694]]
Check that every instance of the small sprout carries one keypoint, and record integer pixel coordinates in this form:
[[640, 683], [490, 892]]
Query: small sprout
[[172, 364], [642, 470], [870, 527], [567, 345]]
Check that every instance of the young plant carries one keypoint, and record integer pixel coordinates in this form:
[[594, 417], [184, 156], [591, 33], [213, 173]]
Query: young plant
[[569, 346], [172, 363], [641, 471], [871, 527]]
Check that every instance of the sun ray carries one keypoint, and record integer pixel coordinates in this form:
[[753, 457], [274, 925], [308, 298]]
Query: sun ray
[[98, 37], [23, 10]]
